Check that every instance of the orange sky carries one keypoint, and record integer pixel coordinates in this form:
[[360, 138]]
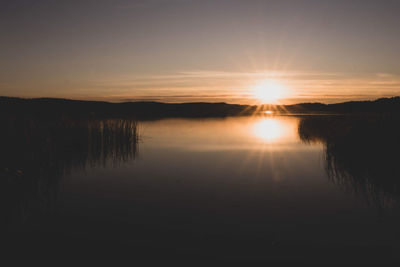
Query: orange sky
[[184, 50]]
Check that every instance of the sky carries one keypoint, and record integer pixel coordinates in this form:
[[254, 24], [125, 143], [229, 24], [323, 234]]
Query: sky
[[187, 50]]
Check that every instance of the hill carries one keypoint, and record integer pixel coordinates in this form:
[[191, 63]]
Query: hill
[[54, 107]]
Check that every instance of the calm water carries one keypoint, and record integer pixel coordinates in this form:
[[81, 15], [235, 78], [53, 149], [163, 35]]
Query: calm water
[[243, 188]]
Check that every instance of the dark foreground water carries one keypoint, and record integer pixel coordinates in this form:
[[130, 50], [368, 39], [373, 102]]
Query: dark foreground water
[[202, 192]]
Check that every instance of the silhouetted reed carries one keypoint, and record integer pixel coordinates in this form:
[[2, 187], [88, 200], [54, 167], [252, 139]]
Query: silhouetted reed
[[361, 152], [36, 153]]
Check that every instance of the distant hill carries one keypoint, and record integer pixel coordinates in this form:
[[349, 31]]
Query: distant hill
[[380, 105], [54, 107]]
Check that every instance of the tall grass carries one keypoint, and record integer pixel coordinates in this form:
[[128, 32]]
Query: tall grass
[[35, 154], [361, 153]]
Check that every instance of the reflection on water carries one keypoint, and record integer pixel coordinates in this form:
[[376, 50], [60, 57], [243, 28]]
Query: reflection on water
[[240, 187], [35, 154], [361, 154], [271, 129]]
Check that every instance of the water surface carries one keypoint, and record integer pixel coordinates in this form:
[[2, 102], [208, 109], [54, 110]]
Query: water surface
[[228, 189]]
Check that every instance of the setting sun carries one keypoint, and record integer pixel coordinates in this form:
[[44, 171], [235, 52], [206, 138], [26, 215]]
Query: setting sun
[[269, 91]]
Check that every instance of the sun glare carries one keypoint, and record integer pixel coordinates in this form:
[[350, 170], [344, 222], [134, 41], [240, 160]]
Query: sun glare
[[269, 130], [269, 92]]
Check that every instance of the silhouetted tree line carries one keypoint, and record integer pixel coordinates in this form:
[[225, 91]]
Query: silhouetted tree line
[[36, 153], [361, 153], [60, 108], [382, 105]]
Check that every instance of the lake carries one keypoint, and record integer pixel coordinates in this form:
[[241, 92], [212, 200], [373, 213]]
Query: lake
[[215, 190]]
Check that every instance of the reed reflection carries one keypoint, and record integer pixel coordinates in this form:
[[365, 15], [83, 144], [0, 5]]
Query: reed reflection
[[36, 153], [361, 153]]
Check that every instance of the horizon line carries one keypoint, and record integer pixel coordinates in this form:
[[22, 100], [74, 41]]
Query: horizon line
[[196, 102]]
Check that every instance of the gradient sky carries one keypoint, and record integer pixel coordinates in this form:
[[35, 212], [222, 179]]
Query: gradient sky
[[186, 50]]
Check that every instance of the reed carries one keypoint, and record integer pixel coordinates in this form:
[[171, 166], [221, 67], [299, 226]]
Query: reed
[[35, 154], [361, 153]]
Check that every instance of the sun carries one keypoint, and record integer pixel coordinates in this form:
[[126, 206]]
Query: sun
[[269, 91]]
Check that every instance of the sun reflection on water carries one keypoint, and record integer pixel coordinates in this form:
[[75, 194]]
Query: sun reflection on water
[[270, 129]]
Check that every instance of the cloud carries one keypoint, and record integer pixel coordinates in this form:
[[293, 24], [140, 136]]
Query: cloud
[[141, 4], [224, 86]]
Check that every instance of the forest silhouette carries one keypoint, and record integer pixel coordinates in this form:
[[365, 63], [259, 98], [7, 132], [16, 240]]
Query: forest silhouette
[[56, 108]]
